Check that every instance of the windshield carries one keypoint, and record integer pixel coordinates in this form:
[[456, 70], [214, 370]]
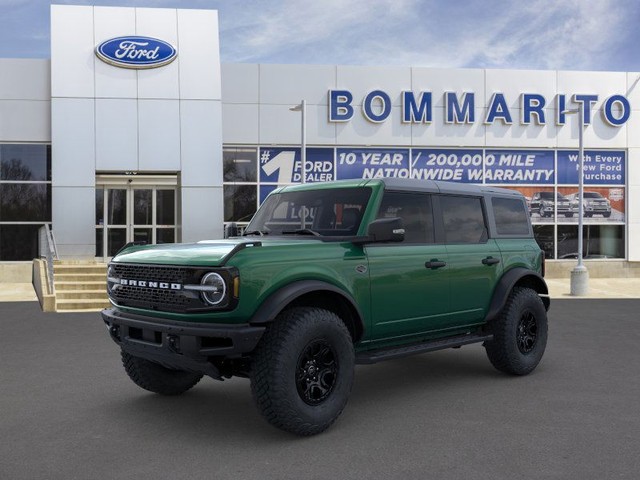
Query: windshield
[[549, 196], [592, 195], [322, 212]]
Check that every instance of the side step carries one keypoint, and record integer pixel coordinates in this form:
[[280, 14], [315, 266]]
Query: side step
[[375, 356]]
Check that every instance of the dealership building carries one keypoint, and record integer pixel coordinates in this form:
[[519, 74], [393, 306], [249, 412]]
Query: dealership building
[[134, 131]]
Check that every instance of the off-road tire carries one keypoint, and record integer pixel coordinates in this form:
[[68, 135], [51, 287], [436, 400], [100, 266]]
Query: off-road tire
[[513, 350], [606, 214], [277, 366], [156, 378]]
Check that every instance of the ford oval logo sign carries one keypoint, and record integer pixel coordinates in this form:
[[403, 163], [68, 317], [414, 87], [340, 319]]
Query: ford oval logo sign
[[136, 52]]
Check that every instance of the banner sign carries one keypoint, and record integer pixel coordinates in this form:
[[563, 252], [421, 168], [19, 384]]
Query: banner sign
[[601, 167], [283, 165], [372, 163], [519, 166], [463, 166]]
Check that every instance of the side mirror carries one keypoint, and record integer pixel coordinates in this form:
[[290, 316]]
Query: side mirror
[[386, 230], [231, 230]]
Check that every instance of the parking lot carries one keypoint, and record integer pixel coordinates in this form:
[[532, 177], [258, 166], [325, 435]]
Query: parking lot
[[70, 412]]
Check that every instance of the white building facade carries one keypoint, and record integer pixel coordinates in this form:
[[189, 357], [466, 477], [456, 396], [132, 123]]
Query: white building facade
[[108, 155]]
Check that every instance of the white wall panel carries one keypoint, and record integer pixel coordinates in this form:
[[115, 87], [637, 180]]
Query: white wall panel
[[603, 84], [116, 134], [597, 135], [74, 215], [201, 142], [25, 79], [239, 123], [202, 213], [278, 124], [441, 80], [319, 130], [159, 135], [439, 133], [240, 83], [25, 121], [633, 89], [633, 169], [634, 242], [512, 83], [199, 55], [160, 82], [360, 131], [73, 142], [72, 56], [362, 80], [290, 84], [500, 135], [114, 82]]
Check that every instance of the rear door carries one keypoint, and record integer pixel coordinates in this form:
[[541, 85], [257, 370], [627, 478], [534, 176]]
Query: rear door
[[475, 262], [409, 280]]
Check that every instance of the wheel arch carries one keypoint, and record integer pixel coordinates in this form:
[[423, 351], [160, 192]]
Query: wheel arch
[[312, 293], [517, 277]]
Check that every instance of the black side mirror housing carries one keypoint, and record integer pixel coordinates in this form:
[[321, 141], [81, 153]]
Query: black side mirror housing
[[385, 230], [231, 230]]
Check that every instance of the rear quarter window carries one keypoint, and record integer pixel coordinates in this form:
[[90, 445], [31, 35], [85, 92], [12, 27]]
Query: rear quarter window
[[511, 216]]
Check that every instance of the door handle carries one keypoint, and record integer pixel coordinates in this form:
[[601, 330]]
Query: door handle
[[434, 264], [490, 261]]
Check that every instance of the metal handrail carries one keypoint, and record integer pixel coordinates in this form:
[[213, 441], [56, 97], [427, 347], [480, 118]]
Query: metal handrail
[[48, 250]]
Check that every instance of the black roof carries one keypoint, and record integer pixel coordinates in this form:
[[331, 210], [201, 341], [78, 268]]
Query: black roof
[[445, 187]]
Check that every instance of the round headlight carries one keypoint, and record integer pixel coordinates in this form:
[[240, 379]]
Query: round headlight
[[215, 288]]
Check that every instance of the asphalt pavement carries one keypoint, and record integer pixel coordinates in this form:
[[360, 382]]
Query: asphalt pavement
[[68, 411]]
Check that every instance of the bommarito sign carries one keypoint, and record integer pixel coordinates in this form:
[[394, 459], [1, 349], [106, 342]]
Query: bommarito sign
[[459, 108]]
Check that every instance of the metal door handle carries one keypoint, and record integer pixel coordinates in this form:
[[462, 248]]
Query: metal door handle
[[433, 264], [490, 261]]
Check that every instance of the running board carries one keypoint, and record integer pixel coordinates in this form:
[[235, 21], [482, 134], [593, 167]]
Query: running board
[[374, 356]]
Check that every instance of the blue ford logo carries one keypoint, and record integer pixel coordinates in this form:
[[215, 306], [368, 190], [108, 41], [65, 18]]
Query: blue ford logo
[[136, 52]]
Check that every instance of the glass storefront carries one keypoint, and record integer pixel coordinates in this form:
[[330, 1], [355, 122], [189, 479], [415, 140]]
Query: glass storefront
[[141, 209], [25, 198], [547, 178]]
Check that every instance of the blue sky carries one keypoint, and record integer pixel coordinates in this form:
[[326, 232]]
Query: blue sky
[[532, 34]]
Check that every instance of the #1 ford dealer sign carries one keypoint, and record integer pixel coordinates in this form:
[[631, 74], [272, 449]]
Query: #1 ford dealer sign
[[136, 52]]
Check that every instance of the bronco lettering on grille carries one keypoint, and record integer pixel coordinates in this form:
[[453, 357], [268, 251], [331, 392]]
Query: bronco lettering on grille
[[151, 284]]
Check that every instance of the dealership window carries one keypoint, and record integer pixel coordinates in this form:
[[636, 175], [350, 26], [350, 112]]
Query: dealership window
[[240, 177], [547, 178], [25, 198]]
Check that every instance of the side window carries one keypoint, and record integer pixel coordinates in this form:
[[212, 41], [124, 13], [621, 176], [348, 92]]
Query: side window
[[415, 211], [511, 216], [463, 219]]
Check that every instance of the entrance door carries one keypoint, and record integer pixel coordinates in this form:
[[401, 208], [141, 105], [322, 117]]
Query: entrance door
[[134, 211]]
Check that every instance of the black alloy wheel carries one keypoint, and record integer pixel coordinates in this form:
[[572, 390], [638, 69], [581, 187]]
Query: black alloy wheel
[[527, 332], [316, 372]]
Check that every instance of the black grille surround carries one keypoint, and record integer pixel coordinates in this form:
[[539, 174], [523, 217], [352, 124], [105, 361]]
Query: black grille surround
[[162, 287]]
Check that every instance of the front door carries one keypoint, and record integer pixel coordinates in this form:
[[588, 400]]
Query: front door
[[409, 280], [134, 211]]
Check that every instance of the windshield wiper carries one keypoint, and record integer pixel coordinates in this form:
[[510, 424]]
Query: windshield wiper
[[255, 232], [301, 231]]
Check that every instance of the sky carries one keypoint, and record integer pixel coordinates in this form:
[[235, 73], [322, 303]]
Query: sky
[[531, 34]]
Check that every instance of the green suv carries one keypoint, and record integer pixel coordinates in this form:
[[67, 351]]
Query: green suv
[[327, 276]]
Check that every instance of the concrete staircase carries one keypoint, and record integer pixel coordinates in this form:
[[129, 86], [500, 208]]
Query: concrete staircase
[[80, 286]]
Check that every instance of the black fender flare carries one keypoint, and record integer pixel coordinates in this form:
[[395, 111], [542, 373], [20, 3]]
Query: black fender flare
[[506, 284], [278, 300]]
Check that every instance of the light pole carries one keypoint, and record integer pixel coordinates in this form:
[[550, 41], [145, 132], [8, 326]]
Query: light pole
[[302, 107], [580, 274]]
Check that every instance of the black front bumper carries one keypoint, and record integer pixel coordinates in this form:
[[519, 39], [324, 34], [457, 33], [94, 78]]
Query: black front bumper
[[180, 345]]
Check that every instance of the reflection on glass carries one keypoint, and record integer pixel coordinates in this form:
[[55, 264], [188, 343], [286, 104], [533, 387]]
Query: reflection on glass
[[99, 242], [239, 164], [100, 206], [116, 239], [117, 206], [25, 202], [25, 162], [165, 207], [18, 242], [142, 207], [545, 238], [165, 235], [143, 235], [239, 202], [599, 241]]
